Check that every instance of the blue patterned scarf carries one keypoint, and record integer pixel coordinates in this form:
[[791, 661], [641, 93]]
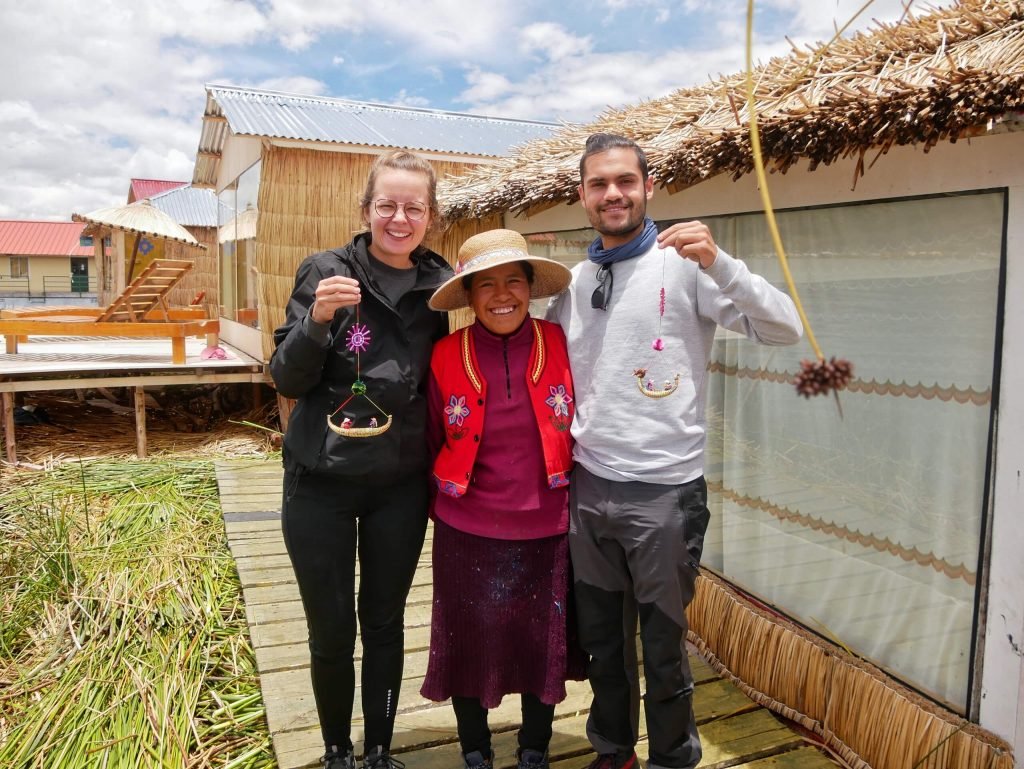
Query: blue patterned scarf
[[641, 244]]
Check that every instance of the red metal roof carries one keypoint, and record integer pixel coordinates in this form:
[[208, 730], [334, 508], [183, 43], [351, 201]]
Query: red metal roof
[[26, 238], [147, 188]]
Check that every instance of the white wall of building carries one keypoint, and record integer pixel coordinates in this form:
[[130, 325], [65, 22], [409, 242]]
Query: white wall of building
[[984, 162], [239, 153]]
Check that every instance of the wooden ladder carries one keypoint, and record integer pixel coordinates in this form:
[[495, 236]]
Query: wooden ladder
[[146, 292]]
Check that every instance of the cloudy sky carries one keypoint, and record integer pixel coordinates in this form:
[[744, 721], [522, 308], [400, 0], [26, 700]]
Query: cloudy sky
[[96, 92]]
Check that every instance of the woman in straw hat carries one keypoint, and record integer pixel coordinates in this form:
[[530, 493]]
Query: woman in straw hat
[[354, 350], [501, 560]]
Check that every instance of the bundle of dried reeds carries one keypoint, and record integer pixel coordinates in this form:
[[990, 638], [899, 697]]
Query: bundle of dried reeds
[[868, 719]]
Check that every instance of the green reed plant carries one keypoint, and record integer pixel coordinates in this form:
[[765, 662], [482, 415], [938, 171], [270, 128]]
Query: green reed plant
[[123, 640]]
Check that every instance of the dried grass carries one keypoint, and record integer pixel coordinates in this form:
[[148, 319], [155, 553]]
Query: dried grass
[[88, 431]]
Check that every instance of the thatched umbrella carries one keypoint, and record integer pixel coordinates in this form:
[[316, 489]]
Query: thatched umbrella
[[140, 218]]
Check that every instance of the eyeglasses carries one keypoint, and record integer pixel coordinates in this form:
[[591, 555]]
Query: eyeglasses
[[603, 292], [387, 208]]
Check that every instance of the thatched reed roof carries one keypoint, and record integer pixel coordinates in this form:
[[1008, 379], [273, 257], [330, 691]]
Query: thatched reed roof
[[140, 217], [928, 79]]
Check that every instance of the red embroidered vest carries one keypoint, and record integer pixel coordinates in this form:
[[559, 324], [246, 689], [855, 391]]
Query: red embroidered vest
[[464, 392]]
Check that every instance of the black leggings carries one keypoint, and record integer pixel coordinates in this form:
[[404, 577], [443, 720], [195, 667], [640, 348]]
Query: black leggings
[[324, 520], [475, 734]]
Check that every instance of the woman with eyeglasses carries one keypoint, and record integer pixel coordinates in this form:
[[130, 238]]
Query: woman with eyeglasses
[[354, 351]]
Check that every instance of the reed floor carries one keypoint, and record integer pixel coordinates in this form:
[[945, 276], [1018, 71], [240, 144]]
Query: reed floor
[[735, 731]]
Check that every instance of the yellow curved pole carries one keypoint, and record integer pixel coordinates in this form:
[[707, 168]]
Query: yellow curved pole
[[762, 184]]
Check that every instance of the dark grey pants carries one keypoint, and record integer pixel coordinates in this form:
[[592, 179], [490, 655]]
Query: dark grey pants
[[635, 552]]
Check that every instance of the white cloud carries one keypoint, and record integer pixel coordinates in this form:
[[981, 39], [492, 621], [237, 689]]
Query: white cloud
[[305, 85], [578, 88], [297, 25], [618, 5], [452, 29], [486, 87], [404, 99], [435, 28], [208, 22], [93, 88], [552, 42]]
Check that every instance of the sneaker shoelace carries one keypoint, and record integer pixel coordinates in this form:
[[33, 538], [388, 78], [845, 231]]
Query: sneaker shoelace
[[384, 761]]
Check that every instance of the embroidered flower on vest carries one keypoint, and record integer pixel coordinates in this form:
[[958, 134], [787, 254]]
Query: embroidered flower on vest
[[559, 400], [457, 410]]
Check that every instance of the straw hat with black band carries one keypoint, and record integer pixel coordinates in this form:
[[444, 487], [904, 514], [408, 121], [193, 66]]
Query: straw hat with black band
[[489, 249]]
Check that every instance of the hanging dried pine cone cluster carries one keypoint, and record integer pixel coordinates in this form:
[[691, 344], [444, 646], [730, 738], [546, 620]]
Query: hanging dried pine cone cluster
[[819, 377]]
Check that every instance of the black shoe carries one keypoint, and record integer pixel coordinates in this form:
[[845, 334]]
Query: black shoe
[[378, 758], [532, 759], [476, 760], [338, 759], [615, 761]]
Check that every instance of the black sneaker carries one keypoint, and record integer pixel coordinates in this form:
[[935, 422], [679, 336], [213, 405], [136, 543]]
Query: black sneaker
[[615, 761], [338, 759], [476, 760], [532, 759], [378, 758]]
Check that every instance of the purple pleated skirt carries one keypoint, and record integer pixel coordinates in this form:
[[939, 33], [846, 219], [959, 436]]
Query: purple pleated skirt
[[502, 619]]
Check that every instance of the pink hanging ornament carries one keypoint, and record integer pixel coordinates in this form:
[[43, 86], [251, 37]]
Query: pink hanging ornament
[[658, 344]]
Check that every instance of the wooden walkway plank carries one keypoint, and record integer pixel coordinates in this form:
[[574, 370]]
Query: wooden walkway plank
[[736, 732], [801, 758]]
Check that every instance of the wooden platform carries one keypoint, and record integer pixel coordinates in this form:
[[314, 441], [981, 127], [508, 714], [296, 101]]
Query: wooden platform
[[734, 730], [139, 311]]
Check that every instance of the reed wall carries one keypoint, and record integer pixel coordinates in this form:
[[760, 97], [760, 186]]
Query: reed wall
[[864, 716]]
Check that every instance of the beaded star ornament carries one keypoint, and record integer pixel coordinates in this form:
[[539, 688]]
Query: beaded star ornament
[[644, 384], [358, 341]]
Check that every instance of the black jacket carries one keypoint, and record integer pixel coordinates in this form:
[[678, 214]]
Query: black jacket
[[394, 368]]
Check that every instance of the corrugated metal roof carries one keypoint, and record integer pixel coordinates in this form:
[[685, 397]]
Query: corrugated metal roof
[[314, 118], [28, 238], [147, 188], [191, 206], [341, 121]]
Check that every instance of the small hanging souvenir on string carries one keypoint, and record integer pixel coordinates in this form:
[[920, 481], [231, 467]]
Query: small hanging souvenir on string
[[671, 385], [358, 340]]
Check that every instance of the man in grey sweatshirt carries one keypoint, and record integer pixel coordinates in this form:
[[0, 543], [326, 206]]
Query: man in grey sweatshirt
[[640, 318]]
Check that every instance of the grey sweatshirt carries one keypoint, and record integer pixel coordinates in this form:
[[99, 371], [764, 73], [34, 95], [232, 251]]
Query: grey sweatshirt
[[621, 434]]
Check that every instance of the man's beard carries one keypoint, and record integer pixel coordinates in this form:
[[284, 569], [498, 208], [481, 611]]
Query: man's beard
[[631, 224]]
